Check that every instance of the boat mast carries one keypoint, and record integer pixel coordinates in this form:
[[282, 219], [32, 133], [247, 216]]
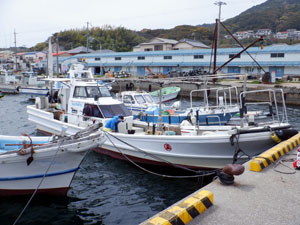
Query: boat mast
[[159, 108], [50, 65], [15, 35], [215, 45]]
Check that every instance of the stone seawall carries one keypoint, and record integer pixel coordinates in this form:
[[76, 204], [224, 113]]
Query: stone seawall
[[291, 90]]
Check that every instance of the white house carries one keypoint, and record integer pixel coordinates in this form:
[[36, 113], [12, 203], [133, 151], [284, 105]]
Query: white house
[[281, 35], [156, 44], [189, 44]]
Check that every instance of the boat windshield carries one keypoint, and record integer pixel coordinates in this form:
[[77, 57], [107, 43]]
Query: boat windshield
[[91, 92], [110, 111], [148, 98], [104, 91], [140, 99], [128, 99]]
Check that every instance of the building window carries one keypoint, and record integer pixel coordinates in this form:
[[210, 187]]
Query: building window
[[277, 55], [118, 58], [97, 59], [158, 47], [141, 57], [148, 49], [167, 57], [198, 56], [232, 55]]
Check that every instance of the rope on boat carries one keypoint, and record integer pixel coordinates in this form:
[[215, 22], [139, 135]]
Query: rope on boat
[[60, 140], [37, 188], [203, 173], [238, 150]]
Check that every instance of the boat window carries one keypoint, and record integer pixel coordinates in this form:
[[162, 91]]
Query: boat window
[[128, 99], [110, 111], [148, 98], [85, 75], [80, 92], [139, 99], [92, 110], [93, 91], [104, 92]]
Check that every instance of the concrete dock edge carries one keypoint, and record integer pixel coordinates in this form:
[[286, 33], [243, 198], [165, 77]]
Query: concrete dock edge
[[183, 211], [268, 157]]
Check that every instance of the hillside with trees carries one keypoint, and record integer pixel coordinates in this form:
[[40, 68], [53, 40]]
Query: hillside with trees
[[278, 15]]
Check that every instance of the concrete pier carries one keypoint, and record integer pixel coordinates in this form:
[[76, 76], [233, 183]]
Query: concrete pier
[[291, 90], [269, 196]]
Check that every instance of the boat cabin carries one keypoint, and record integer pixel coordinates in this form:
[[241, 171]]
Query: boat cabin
[[84, 101], [136, 101]]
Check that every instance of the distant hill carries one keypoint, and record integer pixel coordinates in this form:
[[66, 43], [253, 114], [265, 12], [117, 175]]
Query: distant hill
[[278, 15]]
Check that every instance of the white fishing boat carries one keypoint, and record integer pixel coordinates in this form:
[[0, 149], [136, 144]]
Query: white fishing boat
[[167, 94], [136, 101], [43, 164], [187, 145], [33, 85], [202, 148]]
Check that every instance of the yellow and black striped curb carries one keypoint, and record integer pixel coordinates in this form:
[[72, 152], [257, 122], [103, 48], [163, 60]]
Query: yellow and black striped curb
[[184, 211], [268, 157]]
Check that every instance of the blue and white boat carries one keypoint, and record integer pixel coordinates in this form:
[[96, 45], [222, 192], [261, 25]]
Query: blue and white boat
[[44, 163], [143, 107]]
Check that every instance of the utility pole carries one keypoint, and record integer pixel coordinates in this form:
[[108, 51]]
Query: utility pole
[[219, 3], [87, 37], [57, 63], [16, 65]]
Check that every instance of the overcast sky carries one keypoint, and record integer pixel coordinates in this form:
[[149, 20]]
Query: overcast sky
[[35, 20]]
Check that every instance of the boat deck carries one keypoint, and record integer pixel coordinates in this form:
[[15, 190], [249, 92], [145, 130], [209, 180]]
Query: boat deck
[[269, 196]]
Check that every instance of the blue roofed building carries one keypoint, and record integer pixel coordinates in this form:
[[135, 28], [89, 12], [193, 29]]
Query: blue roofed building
[[279, 59]]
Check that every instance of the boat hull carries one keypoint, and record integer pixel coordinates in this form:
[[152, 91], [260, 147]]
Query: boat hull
[[16, 177], [195, 152], [210, 150], [165, 98], [52, 169], [34, 91]]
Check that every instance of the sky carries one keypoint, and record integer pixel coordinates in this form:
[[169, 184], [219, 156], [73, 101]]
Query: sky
[[36, 20]]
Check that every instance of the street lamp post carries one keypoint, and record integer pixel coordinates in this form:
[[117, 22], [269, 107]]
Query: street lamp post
[[219, 3]]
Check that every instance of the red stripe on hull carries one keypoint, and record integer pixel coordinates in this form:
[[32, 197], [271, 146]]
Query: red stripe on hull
[[118, 155], [52, 191]]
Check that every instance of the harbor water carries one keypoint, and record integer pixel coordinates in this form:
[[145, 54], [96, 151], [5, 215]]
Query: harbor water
[[104, 191]]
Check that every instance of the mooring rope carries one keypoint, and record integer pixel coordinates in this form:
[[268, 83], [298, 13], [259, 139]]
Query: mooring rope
[[37, 188], [204, 173]]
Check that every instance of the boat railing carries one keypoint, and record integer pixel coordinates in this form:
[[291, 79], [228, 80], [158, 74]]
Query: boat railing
[[229, 89], [215, 107], [206, 90], [272, 95]]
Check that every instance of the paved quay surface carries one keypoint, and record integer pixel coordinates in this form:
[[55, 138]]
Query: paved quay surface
[[266, 197], [271, 195]]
